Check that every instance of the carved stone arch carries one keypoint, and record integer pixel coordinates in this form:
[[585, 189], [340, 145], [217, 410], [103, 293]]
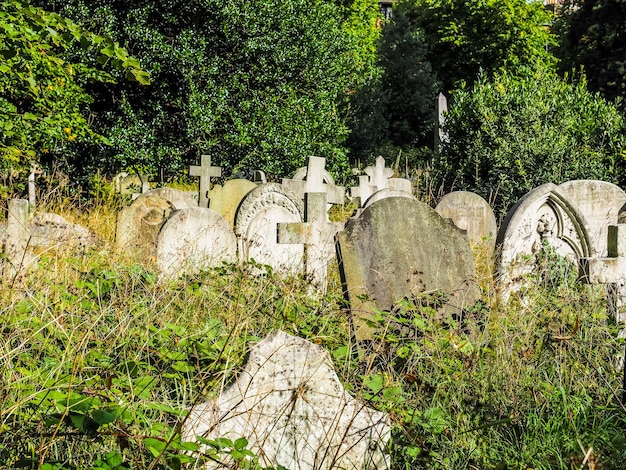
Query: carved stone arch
[[543, 214]]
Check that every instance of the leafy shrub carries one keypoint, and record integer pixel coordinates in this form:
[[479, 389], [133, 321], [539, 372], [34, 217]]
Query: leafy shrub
[[509, 135]]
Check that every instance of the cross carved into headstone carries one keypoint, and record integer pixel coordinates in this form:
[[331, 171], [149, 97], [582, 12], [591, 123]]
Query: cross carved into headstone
[[205, 171], [310, 179], [611, 270]]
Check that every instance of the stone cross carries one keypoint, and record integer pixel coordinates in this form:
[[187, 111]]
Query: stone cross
[[611, 270], [316, 233], [205, 171], [379, 174], [314, 183]]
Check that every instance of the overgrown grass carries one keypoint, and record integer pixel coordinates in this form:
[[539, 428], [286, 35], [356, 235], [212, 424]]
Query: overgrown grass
[[99, 361]]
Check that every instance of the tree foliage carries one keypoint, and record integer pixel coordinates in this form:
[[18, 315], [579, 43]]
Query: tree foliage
[[509, 135], [394, 112], [593, 36], [42, 95], [255, 84], [488, 36]]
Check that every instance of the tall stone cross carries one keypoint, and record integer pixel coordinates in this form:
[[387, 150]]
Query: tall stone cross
[[315, 179], [317, 233], [376, 178], [611, 271], [205, 171]]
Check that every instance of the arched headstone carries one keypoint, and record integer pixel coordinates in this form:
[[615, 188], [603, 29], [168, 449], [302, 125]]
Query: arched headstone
[[256, 226], [472, 213]]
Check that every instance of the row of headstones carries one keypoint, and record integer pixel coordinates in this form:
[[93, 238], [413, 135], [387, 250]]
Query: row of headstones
[[285, 226]]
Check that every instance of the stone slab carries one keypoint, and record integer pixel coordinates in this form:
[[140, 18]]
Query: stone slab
[[290, 406], [226, 199], [472, 213]]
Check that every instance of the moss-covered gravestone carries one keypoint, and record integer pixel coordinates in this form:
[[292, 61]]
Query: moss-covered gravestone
[[399, 247]]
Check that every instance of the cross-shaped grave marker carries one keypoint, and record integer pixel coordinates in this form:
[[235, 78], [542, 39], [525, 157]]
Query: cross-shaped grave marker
[[317, 233], [315, 179], [611, 271], [376, 178], [205, 171]]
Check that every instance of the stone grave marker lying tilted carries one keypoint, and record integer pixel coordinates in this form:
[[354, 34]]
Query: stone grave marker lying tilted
[[399, 247], [290, 406], [25, 237]]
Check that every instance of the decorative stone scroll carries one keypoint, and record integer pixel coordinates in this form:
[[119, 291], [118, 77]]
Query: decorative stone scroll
[[256, 226]]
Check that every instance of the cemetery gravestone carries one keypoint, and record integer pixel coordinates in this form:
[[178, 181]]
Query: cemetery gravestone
[[472, 213], [376, 179], [131, 184], [316, 233], [205, 171], [400, 247], [192, 240], [52, 230], [256, 226], [600, 204], [290, 406], [17, 237], [315, 179], [544, 215], [138, 225], [226, 199]]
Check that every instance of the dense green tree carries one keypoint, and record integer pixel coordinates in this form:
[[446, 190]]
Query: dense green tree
[[470, 37], [43, 96], [394, 113], [253, 83], [508, 135], [592, 35]]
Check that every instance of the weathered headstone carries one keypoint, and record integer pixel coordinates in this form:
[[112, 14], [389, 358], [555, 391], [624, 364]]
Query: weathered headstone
[[256, 226], [400, 247], [138, 226], [51, 230], [17, 236], [131, 184], [226, 199], [610, 270], [544, 215], [177, 198], [386, 193], [35, 170], [205, 171], [192, 240], [442, 108], [290, 406], [600, 204], [472, 213]]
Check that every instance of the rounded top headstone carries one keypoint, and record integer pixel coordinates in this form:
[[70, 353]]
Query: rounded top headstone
[[472, 213], [194, 239]]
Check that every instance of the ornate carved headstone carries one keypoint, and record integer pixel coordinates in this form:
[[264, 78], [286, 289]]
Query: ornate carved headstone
[[290, 406], [205, 171], [543, 215], [256, 226], [472, 213], [192, 240], [400, 247]]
